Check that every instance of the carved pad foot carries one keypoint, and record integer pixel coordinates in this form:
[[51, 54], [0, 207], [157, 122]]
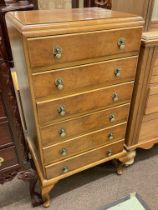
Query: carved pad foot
[[126, 160], [45, 191], [131, 157]]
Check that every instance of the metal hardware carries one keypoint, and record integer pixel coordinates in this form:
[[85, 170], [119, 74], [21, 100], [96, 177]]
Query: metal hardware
[[110, 136], [63, 152], [115, 97], [59, 84], [109, 152], [117, 72], [57, 51], [112, 118], [62, 132], [1, 161], [121, 43], [65, 169], [61, 110]]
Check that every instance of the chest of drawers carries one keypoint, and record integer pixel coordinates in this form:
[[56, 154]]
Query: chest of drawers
[[144, 109], [77, 74]]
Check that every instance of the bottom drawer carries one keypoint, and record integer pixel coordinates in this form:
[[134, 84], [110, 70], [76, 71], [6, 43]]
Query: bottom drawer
[[149, 129], [68, 166], [8, 155], [152, 100], [5, 134]]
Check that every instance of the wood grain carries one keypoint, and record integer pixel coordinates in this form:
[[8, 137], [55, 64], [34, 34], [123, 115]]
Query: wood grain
[[143, 8], [6, 137], [102, 74], [83, 124], [148, 130], [9, 156], [94, 44], [84, 143], [83, 103], [2, 113], [82, 160], [152, 100]]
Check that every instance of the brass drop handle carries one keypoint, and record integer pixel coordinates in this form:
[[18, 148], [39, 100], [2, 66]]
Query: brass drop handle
[[59, 84], [57, 51], [112, 118], [62, 132], [110, 136], [109, 152], [117, 72], [63, 152], [65, 169], [115, 97], [61, 110], [121, 43], [1, 161]]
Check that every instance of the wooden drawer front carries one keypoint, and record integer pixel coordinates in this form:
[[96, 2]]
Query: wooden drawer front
[[9, 157], [60, 132], [83, 143], [76, 163], [149, 130], [154, 77], [86, 76], [84, 102], [152, 101], [77, 47], [5, 134], [2, 113], [155, 66]]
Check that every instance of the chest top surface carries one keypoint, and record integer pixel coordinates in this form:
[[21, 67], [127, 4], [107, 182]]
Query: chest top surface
[[59, 19]]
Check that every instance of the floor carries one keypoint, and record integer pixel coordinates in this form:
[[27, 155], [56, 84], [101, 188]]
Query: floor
[[94, 188]]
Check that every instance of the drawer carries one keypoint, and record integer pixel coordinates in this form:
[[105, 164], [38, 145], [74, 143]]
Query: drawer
[[66, 107], [5, 134], [9, 157], [83, 143], [2, 112], [63, 49], [148, 129], [76, 163], [154, 76], [152, 101], [59, 132], [64, 81]]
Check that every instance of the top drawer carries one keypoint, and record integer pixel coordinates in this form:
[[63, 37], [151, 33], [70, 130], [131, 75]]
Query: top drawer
[[57, 51]]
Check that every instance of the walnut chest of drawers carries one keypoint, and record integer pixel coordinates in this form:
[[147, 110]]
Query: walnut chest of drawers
[[77, 70]]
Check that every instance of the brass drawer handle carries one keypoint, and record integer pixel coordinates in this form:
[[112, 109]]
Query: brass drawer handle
[[59, 84], [61, 111], [57, 51], [63, 152], [112, 118], [115, 97], [62, 132], [65, 169], [109, 152], [1, 161], [117, 72], [121, 43], [110, 136]]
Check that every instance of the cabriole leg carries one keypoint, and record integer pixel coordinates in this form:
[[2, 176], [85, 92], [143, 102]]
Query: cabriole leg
[[126, 160], [45, 192]]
